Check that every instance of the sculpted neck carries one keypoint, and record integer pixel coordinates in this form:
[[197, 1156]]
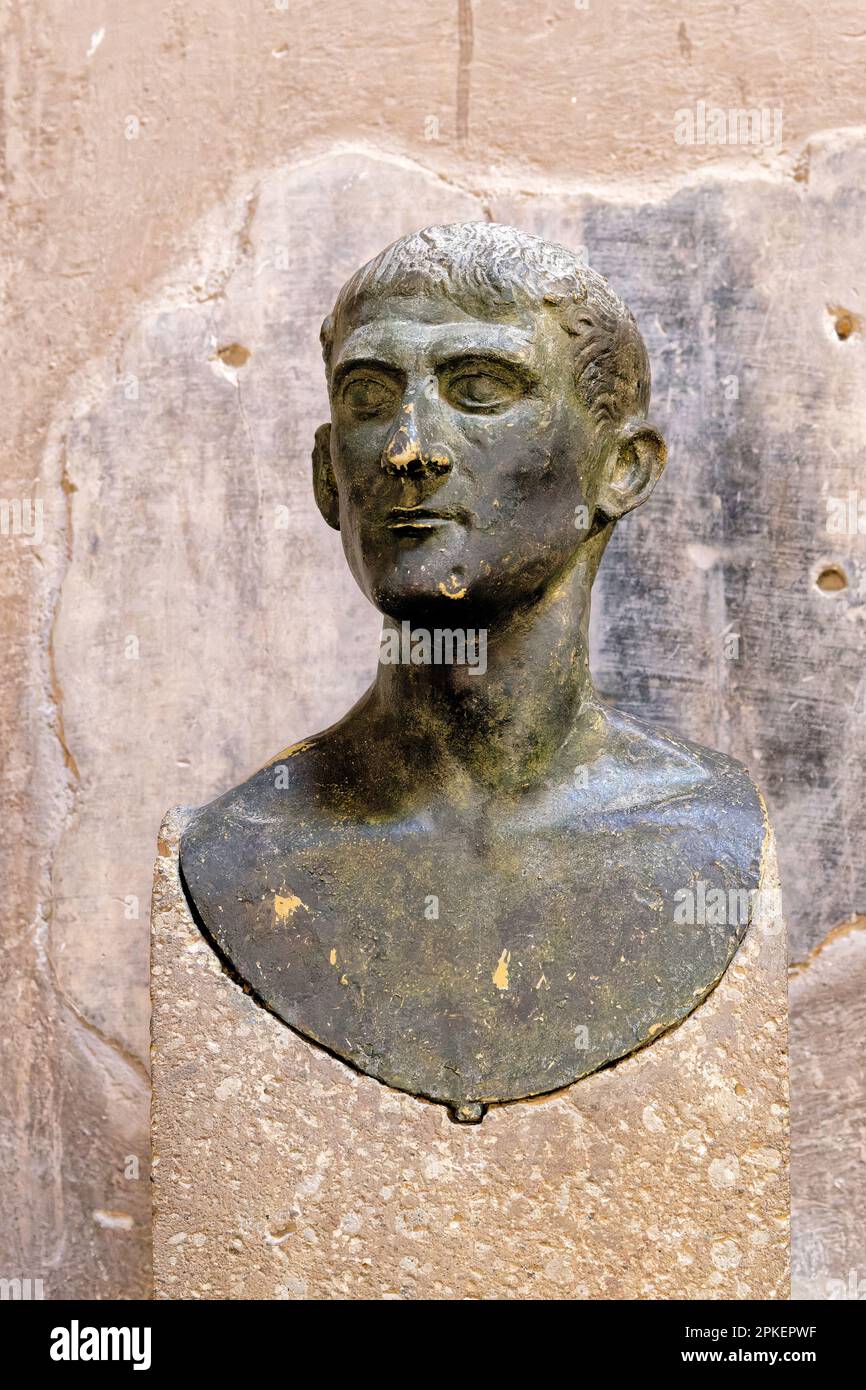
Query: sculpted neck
[[504, 725]]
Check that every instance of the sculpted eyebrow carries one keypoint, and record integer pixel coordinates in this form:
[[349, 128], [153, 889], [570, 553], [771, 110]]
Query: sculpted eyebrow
[[376, 364], [509, 358]]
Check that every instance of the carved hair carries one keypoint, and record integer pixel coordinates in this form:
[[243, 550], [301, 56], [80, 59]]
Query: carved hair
[[487, 265]]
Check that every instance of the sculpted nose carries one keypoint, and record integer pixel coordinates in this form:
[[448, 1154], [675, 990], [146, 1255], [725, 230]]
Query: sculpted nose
[[406, 453]]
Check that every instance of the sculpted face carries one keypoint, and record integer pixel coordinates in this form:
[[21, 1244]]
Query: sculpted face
[[459, 453]]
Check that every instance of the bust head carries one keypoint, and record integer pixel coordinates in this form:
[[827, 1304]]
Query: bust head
[[488, 420]]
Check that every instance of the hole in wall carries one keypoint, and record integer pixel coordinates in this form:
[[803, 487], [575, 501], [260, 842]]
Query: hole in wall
[[831, 578], [845, 321], [233, 354]]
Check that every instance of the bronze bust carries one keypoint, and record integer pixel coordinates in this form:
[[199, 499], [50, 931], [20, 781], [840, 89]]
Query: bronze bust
[[469, 887]]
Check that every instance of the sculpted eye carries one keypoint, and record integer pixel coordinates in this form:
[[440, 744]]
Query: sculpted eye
[[368, 395], [480, 391]]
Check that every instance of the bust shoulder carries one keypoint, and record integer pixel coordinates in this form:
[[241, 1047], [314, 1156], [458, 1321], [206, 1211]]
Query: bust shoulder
[[612, 906]]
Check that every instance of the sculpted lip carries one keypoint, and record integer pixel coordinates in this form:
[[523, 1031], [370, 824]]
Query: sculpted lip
[[423, 518]]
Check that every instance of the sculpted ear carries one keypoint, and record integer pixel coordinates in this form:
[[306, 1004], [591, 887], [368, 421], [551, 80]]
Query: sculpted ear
[[324, 482], [632, 470]]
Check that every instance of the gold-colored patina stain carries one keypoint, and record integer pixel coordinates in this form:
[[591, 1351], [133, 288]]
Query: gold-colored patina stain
[[451, 591], [286, 907], [500, 974]]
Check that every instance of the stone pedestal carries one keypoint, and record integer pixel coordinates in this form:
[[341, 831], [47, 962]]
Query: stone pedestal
[[281, 1173]]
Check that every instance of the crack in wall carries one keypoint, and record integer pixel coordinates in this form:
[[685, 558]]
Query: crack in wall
[[54, 693], [135, 1064], [44, 917]]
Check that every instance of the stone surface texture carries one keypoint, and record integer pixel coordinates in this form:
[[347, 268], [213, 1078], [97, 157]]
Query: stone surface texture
[[280, 1173], [828, 1117], [191, 182]]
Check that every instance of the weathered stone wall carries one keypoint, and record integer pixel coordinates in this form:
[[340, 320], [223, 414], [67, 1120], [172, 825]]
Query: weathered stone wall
[[187, 186]]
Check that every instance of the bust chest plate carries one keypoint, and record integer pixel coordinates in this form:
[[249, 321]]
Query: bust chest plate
[[471, 966]]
